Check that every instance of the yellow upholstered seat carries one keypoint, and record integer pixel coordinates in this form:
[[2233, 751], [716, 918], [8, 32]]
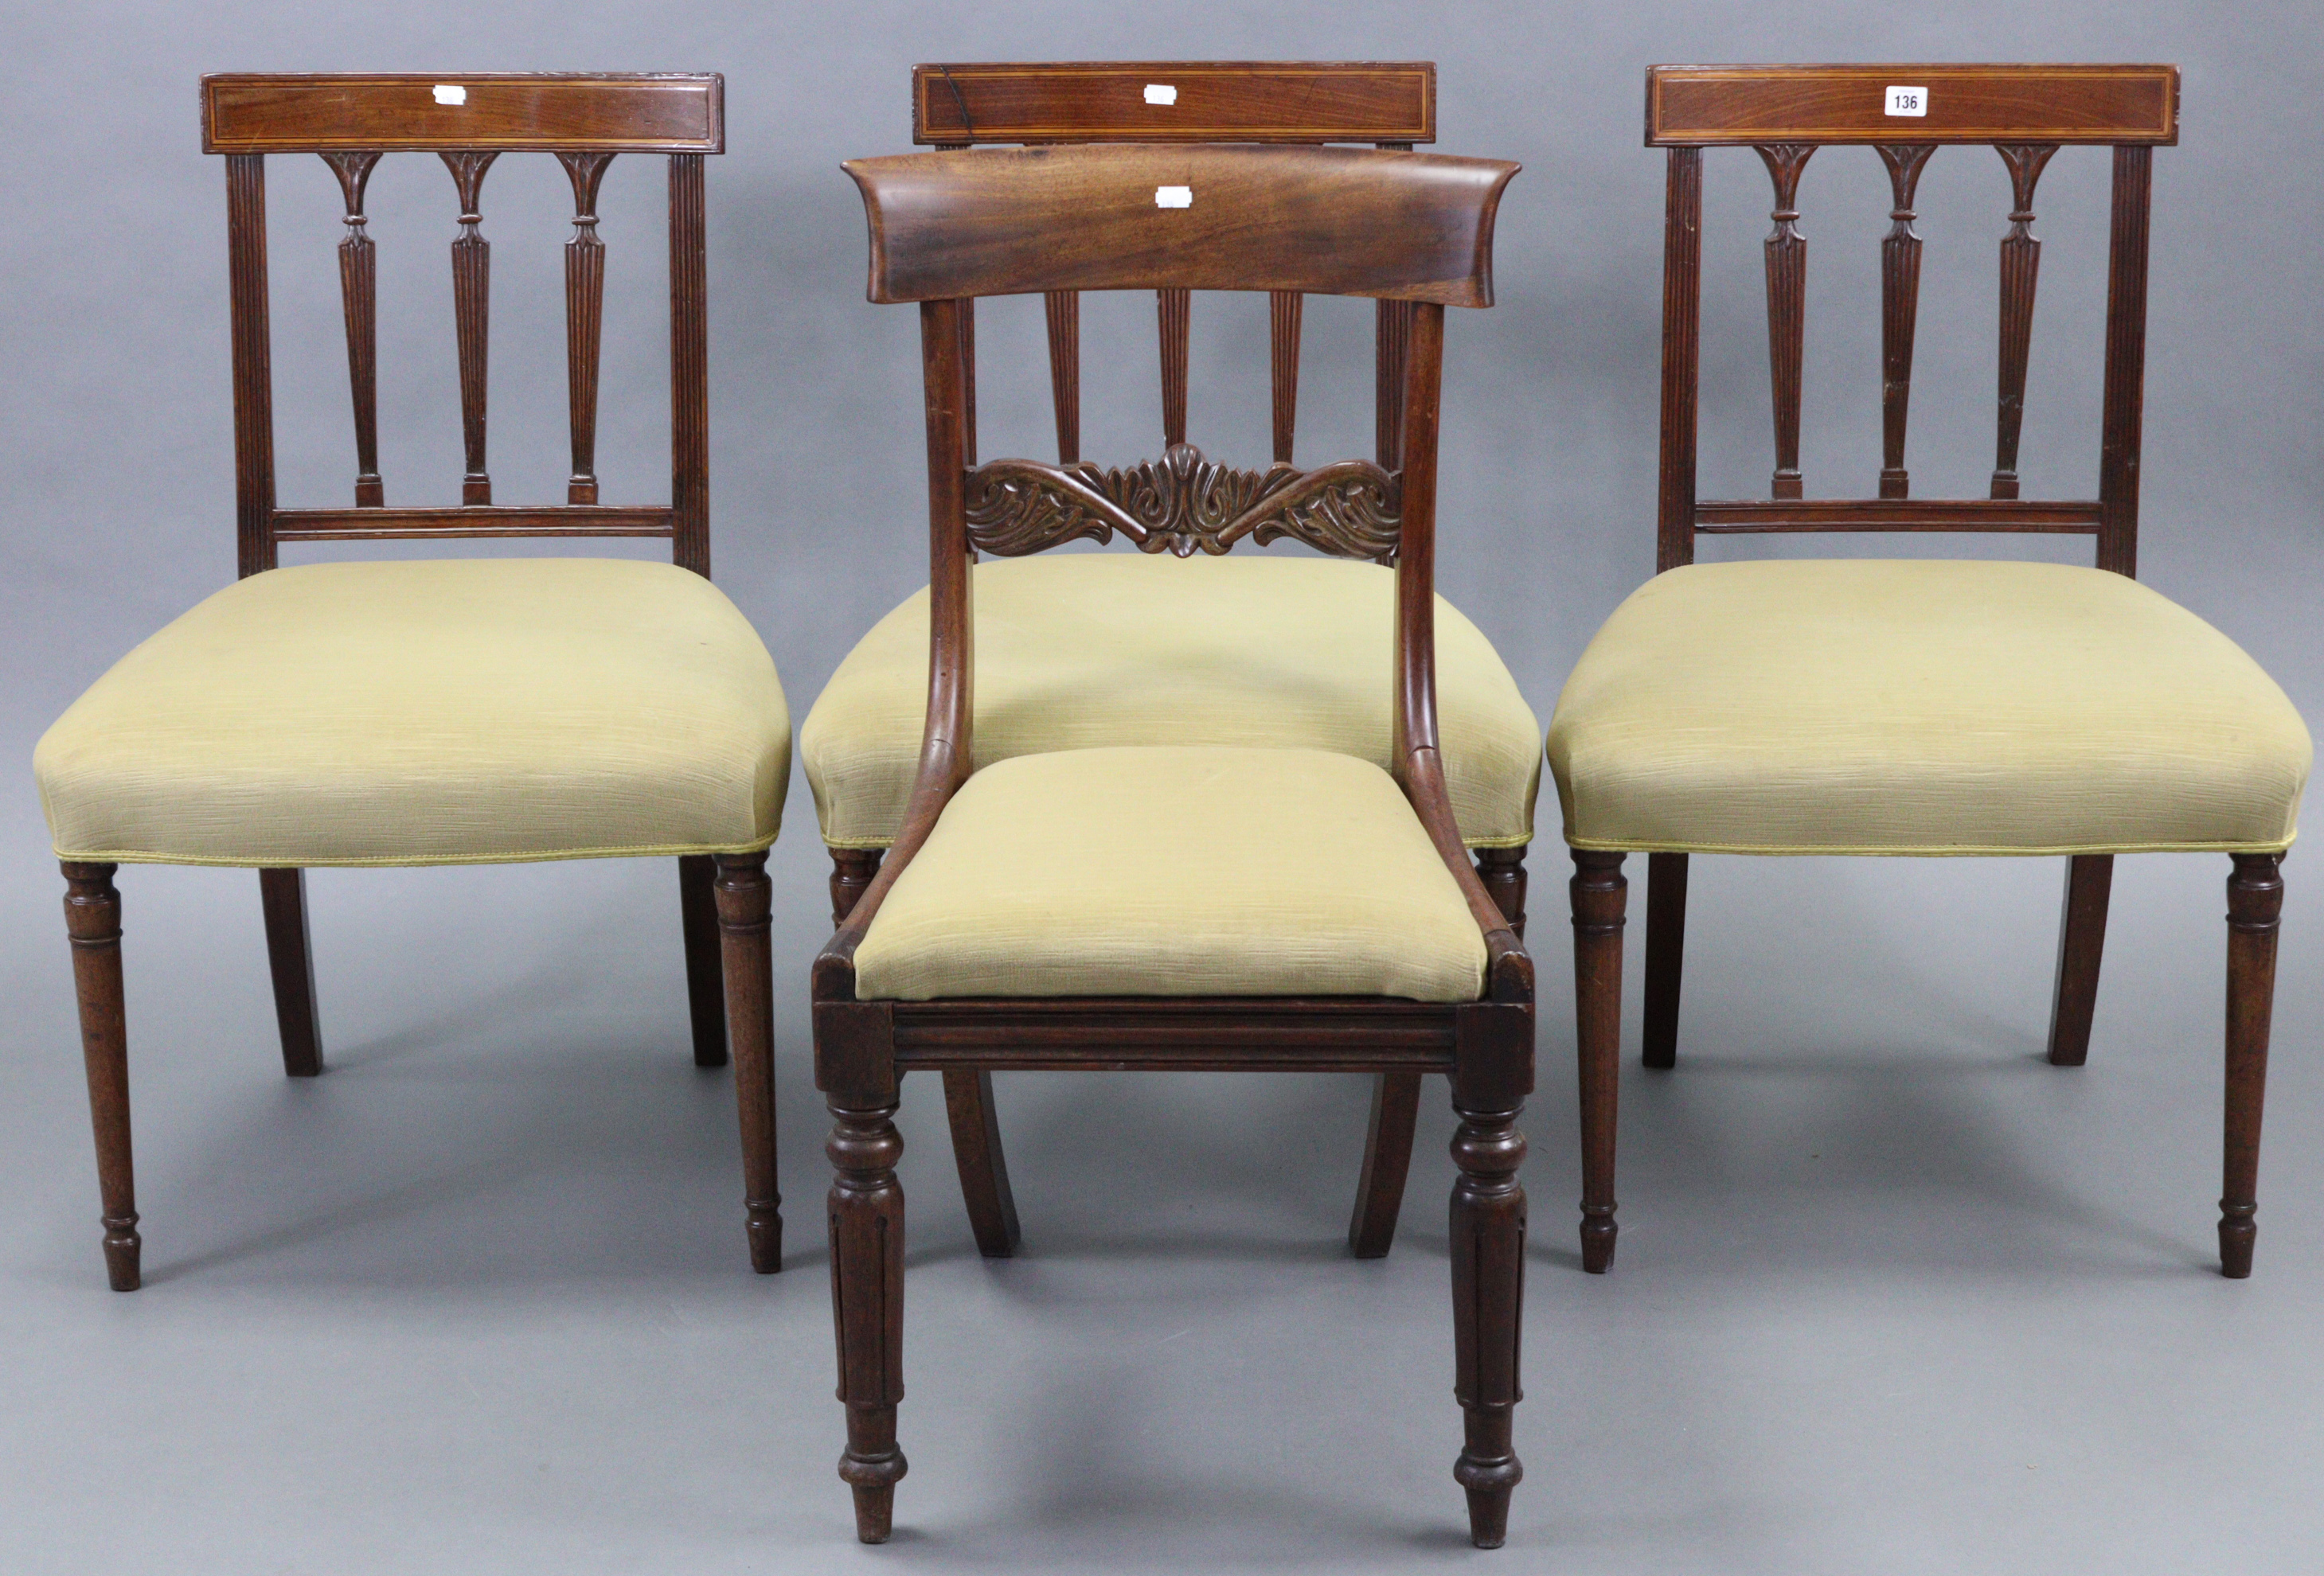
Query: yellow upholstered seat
[[1079, 650], [1159, 870], [1888, 706], [440, 711]]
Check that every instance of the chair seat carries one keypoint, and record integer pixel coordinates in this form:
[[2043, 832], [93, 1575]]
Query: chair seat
[[439, 711], [1176, 870], [1918, 706], [1080, 650]]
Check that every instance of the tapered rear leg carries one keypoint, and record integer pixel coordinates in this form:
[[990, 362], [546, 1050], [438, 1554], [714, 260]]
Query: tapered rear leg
[[2082, 937], [1387, 1160], [291, 957], [706, 985], [93, 923], [852, 869], [984, 1173], [1600, 894], [2255, 902], [745, 899], [1503, 871], [1665, 957]]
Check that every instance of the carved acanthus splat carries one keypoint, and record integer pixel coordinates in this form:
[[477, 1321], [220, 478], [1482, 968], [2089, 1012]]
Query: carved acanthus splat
[[1900, 302], [471, 298], [1184, 504], [2020, 265], [358, 294], [1787, 271], [584, 314]]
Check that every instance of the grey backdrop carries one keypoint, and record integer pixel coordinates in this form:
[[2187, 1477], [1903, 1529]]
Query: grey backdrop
[[1893, 1295]]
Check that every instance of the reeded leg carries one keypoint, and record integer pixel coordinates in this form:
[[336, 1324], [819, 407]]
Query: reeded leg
[[1600, 893], [705, 987], [745, 899], [1388, 1159], [867, 1302], [93, 923], [852, 869], [984, 1173], [2082, 937], [2254, 900], [290, 958], [1665, 957], [1489, 1226], [1503, 871]]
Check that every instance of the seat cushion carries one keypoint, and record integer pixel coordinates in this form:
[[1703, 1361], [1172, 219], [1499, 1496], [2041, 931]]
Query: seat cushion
[[1161, 870], [1918, 706], [440, 711], [1077, 650]]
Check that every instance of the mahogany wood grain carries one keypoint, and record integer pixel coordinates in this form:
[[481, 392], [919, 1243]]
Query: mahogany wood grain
[[584, 317], [2124, 394], [359, 297], [745, 900], [93, 925], [1063, 308], [867, 1300], [254, 376], [1503, 872], [1488, 1236], [290, 960], [2081, 939], [976, 1153], [496, 111], [1600, 893], [1787, 274], [689, 369], [2254, 906], [1674, 509], [968, 382], [1737, 105], [1665, 958], [1387, 1162], [852, 869], [1283, 314], [471, 262], [705, 970], [499, 520], [1211, 101], [1900, 306], [2020, 265], [1174, 316], [2069, 517]]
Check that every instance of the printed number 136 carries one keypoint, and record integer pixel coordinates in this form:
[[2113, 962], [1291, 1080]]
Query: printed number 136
[[1908, 101]]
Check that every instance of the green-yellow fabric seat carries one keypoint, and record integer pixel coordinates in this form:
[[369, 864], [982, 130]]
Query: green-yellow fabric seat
[[1883, 706], [439, 711], [1159, 870], [1080, 650]]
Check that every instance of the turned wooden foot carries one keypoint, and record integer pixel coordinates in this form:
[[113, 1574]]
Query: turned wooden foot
[[291, 959], [92, 924], [2254, 903], [1489, 1226], [706, 985], [867, 1287], [745, 899], [1600, 891]]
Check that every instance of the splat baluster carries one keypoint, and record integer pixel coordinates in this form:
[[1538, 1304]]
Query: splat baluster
[[471, 257], [1787, 273], [358, 294], [1392, 333], [1283, 340], [2021, 262], [1065, 312], [1900, 306], [1174, 309], [585, 316]]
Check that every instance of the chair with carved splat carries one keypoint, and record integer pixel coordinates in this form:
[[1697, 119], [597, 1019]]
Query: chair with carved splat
[[1033, 914], [1136, 648], [1901, 706], [447, 711]]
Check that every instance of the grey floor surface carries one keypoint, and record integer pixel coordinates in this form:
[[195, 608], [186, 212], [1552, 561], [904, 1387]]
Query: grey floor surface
[[1892, 1295]]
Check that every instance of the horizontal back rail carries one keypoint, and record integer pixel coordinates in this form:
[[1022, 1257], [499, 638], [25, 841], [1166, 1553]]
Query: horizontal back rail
[[1176, 101], [1333, 221], [1735, 106], [488, 111], [472, 520], [2071, 517]]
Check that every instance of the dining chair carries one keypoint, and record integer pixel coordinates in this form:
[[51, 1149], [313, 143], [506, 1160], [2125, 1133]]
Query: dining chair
[[1915, 706], [1035, 912], [451, 711], [1126, 649]]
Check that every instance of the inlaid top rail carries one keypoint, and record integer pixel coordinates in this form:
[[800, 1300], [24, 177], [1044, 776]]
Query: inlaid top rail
[[1177, 101], [1330, 221], [499, 112], [1716, 105]]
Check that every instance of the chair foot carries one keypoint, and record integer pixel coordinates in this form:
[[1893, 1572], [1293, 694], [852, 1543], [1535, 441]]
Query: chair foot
[[1598, 1232], [875, 1513], [2239, 1233], [765, 1227], [124, 1245], [1488, 1477]]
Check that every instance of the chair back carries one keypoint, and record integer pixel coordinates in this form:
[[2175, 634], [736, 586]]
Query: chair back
[[1390, 104], [469, 121], [1905, 113]]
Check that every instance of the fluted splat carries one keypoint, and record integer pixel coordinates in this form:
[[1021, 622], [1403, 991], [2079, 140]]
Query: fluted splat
[[1393, 336], [968, 378], [2021, 263], [359, 295], [1282, 313], [1175, 311], [585, 316], [1787, 273], [1900, 305], [1064, 313], [471, 257]]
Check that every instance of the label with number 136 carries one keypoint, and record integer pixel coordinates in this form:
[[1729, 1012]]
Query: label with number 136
[[1908, 101]]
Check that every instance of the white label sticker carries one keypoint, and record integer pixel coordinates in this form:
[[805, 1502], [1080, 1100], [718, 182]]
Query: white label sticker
[[1908, 101], [1161, 93], [1174, 197], [450, 93]]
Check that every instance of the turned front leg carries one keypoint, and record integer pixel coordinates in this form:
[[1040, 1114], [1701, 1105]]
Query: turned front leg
[[2255, 902], [867, 1299], [1600, 894], [93, 923], [1489, 1227]]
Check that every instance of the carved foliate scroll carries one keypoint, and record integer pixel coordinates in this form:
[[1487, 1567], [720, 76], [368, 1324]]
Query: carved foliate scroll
[[1182, 505]]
